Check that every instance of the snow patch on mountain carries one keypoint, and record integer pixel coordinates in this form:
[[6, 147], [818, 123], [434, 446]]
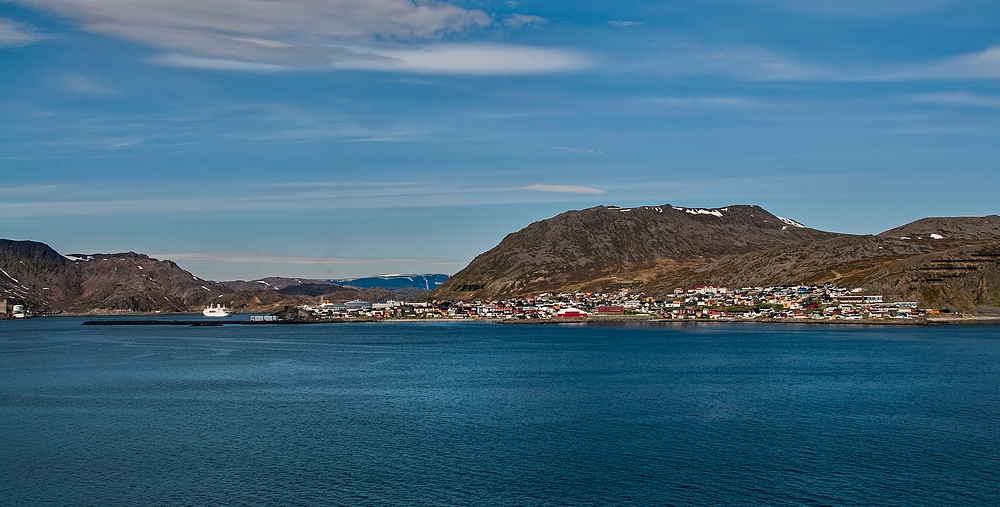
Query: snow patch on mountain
[[791, 222], [713, 212]]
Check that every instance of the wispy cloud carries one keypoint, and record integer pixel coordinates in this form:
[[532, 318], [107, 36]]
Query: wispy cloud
[[710, 101], [982, 65], [565, 189], [251, 258], [481, 59], [34, 189], [93, 200], [516, 21], [84, 85], [624, 24], [958, 99], [15, 35], [194, 62], [943, 131], [254, 36], [574, 150], [754, 63], [347, 133], [866, 8], [165, 22], [743, 62]]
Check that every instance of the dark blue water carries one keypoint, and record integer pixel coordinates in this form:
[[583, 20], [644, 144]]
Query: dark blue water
[[478, 414]]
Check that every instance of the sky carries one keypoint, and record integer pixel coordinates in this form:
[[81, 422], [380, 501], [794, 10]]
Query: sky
[[342, 138]]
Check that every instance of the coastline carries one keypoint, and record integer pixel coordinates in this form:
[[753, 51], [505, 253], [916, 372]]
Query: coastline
[[192, 319]]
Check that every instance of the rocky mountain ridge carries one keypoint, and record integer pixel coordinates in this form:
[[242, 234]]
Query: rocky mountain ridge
[[936, 261], [34, 274], [939, 262]]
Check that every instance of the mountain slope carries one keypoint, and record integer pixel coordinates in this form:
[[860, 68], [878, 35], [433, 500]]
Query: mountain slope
[[34, 273], [959, 266], [304, 287], [936, 261], [951, 228], [608, 245], [391, 282]]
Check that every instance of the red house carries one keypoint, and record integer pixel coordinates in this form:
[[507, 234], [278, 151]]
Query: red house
[[571, 313]]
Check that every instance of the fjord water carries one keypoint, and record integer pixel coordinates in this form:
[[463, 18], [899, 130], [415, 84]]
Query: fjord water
[[481, 414]]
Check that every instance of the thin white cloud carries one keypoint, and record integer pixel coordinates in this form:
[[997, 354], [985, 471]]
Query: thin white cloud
[[745, 63], [297, 20], [476, 59], [864, 8], [624, 24], [516, 21], [251, 258], [16, 35], [753, 63], [981, 65], [263, 36], [84, 85], [194, 62], [574, 150], [710, 101], [34, 189], [565, 189], [958, 99], [91, 200]]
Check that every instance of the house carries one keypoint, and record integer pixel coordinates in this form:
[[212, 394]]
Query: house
[[571, 313], [611, 310], [357, 305]]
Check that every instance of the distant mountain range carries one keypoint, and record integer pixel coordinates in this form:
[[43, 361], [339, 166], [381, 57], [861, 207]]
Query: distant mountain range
[[34, 274], [411, 285], [939, 262]]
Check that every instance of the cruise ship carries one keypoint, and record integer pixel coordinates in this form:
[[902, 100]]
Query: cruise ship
[[216, 311]]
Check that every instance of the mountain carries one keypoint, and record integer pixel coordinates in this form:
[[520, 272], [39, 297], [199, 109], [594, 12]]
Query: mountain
[[34, 274], [939, 262], [426, 282], [314, 288], [951, 262], [608, 246], [952, 228], [409, 285], [49, 282]]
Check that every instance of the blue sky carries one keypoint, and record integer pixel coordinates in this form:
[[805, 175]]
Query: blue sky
[[337, 138]]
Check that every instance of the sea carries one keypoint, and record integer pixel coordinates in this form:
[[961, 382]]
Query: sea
[[479, 414]]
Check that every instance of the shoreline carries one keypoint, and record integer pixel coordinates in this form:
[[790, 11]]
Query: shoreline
[[172, 320]]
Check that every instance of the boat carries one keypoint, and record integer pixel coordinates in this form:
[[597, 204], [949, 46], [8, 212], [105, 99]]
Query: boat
[[216, 311], [20, 312]]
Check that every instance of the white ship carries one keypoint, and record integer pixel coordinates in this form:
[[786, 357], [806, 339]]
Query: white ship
[[216, 311], [20, 312]]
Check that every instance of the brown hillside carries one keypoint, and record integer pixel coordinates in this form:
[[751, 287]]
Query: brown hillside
[[591, 247], [943, 262]]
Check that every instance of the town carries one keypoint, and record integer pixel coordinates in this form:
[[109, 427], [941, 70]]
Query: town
[[809, 302]]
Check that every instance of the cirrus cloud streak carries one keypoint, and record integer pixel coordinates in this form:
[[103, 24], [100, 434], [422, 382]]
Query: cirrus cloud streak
[[566, 189], [261, 36], [15, 35], [252, 258]]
